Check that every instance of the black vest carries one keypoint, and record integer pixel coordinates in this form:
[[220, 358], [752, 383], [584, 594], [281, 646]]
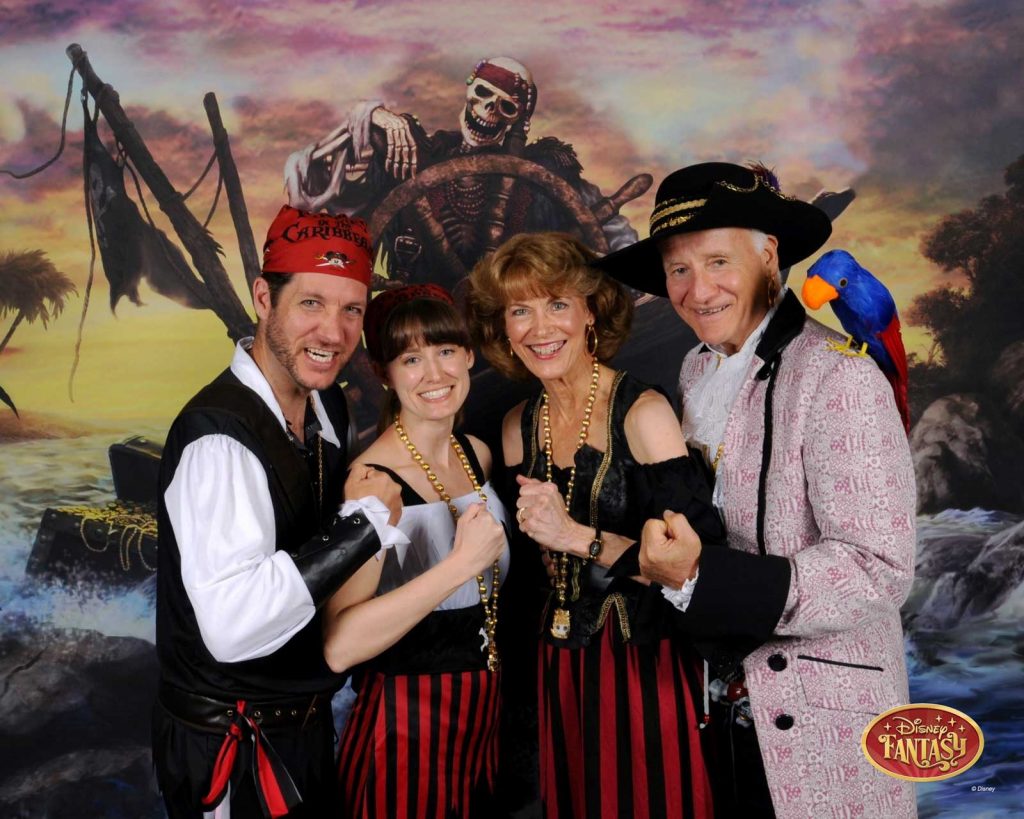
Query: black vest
[[227, 407]]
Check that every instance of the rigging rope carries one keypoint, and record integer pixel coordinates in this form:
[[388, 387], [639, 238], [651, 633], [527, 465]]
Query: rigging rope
[[216, 199], [63, 135], [202, 176], [92, 249]]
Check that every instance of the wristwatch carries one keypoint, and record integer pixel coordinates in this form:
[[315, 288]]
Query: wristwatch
[[596, 545]]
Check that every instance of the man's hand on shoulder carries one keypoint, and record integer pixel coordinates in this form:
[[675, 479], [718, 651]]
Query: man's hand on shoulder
[[365, 480]]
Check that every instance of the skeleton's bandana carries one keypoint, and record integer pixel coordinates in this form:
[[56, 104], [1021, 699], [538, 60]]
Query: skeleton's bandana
[[300, 242], [509, 82]]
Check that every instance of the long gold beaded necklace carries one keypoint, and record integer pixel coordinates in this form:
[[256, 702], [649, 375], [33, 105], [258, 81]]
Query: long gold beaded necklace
[[560, 622], [490, 604]]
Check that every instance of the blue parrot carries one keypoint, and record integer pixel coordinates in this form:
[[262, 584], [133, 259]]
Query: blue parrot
[[865, 308]]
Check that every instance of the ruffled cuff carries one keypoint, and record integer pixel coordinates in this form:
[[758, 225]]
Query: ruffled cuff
[[680, 598], [377, 513]]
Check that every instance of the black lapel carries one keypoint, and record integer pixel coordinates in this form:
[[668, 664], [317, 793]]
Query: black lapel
[[785, 325]]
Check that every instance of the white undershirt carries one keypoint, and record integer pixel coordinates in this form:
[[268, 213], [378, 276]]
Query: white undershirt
[[249, 598]]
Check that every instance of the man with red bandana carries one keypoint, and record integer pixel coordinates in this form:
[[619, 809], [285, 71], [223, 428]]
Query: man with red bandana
[[258, 527]]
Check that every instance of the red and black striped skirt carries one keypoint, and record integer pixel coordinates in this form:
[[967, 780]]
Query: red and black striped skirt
[[619, 730], [420, 745]]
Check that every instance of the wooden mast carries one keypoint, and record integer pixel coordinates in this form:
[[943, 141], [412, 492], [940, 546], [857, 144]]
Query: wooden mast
[[233, 189]]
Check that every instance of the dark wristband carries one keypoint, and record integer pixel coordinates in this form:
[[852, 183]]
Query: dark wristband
[[328, 560]]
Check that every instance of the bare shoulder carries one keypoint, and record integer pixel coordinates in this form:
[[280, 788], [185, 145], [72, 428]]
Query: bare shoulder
[[652, 429], [381, 451], [511, 437], [483, 455]]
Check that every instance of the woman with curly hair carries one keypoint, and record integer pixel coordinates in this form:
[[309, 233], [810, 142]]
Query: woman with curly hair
[[595, 454]]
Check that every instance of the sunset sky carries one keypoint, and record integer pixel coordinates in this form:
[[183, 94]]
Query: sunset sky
[[917, 105]]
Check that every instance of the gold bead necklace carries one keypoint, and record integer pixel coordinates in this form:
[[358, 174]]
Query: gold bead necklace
[[490, 604], [560, 622]]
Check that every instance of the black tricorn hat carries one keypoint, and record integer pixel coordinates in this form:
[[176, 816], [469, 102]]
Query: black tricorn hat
[[719, 195]]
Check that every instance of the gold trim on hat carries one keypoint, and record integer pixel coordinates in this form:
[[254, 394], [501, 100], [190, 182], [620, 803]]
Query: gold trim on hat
[[738, 189], [660, 218], [678, 220], [673, 205], [758, 181]]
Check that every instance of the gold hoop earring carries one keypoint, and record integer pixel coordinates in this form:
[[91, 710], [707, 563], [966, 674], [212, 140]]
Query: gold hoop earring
[[591, 335], [511, 352], [773, 289]]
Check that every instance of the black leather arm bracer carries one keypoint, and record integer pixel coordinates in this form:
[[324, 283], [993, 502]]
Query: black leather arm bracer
[[327, 561]]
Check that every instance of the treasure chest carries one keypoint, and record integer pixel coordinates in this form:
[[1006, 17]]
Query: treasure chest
[[135, 466], [114, 545]]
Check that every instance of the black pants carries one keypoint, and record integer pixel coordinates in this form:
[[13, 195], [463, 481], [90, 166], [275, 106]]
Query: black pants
[[184, 756], [739, 782]]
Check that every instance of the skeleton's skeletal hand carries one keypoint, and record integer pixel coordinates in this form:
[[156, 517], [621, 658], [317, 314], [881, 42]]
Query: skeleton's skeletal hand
[[401, 160]]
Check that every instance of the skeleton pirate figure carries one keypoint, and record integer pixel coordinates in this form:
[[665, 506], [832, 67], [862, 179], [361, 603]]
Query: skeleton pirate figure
[[439, 202]]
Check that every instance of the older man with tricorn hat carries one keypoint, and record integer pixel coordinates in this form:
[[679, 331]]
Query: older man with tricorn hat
[[812, 473], [258, 527]]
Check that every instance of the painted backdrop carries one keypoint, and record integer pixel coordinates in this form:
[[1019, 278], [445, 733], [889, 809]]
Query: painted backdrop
[[915, 106]]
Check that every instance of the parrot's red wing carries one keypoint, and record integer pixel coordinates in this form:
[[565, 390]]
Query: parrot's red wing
[[892, 340]]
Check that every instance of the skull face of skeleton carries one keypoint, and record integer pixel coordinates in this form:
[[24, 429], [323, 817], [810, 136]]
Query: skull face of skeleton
[[489, 111]]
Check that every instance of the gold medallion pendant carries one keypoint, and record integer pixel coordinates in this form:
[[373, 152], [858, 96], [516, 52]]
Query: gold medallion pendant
[[560, 624]]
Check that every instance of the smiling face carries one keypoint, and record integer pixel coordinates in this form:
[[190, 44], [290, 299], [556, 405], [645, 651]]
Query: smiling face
[[549, 334], [304, 340], [431, 381], [717, 280]]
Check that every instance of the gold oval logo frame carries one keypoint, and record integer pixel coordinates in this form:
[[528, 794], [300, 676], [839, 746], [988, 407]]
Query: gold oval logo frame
[[895, 712]]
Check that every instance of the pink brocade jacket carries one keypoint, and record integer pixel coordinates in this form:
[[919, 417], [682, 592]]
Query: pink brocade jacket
[[836, 513]]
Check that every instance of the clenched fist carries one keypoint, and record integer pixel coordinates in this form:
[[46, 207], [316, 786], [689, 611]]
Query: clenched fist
[[669, 550], [479, 539]]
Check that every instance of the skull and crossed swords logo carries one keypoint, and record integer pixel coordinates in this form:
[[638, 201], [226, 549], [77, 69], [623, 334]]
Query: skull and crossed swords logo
[[334, 258]]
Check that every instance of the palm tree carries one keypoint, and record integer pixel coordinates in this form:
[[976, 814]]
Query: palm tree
[[31, 288]]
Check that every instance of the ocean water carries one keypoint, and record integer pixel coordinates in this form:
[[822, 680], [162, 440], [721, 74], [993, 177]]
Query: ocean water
[[975, 667]]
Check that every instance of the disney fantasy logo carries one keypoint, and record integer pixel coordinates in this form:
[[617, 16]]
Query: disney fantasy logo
[[923, 742]]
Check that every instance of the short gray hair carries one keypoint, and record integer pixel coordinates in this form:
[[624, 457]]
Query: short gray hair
[[760, 239]]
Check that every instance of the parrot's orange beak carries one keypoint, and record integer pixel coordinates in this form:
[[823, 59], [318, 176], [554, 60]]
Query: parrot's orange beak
[[817, 291]]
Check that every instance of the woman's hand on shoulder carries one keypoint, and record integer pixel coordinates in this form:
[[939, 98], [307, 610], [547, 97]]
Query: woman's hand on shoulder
[[512, 436], [652, 429]]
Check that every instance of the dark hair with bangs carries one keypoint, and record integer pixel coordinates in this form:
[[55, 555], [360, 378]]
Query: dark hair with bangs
[[419, 321], [425, 321], [539, 264]]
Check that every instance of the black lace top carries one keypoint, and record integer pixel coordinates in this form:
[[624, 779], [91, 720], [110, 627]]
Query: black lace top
[[617, 494]]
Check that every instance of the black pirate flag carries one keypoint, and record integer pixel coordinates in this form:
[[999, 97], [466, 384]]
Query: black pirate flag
[[130, 247]]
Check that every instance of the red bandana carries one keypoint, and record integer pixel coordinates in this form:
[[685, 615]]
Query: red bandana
[[300, 242], [509, 82]]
